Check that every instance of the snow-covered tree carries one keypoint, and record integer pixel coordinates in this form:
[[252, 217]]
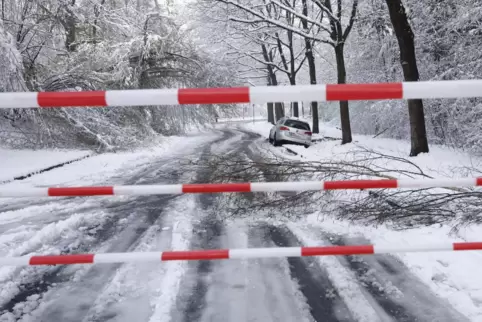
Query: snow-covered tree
[[77, 45]]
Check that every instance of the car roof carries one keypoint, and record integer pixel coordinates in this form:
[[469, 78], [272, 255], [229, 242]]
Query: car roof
[[295, 119]]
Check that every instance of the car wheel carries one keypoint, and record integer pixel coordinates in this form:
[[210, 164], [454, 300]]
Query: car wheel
[[275, 142], [306, 146], [270, 140]]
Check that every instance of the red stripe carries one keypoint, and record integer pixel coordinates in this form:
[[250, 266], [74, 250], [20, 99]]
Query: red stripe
[[60, 99], [62, 259], [468, 246], [360, 184], [222, 187], [349, 92], [479, 182], [337, 250], [213, 95], [196, 255], [80, 191]]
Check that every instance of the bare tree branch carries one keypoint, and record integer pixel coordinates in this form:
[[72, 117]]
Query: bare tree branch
[[352, 20]]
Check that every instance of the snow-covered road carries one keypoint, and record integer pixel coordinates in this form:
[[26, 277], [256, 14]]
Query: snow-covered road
[[352, 288]]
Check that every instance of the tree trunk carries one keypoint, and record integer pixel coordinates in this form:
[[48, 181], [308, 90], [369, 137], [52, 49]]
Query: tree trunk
[[292, 74], [278, 107], [312, 69], [97, 10], [270, 113], [314, 115], [296, 112], [344, 110], [279, 111], [408, 60], [70, 25], [70, 33], [272, 81]]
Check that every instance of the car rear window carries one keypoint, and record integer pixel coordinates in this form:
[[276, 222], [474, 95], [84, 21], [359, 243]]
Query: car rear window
[[297, 125]]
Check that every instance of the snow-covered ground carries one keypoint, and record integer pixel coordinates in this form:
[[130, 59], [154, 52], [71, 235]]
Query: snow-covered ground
[[440, 162], [320, 289], [52, 226], [98, 168], [451, 275], [242, 119], [16, 163]]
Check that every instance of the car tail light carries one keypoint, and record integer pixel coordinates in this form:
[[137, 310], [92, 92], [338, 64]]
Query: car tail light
[[308, 133], [284, 128]]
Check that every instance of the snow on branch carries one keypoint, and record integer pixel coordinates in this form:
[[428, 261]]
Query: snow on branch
[[327, 10], [264, 62], [352, 19], [246, 21], [274, 22], [299, 15]]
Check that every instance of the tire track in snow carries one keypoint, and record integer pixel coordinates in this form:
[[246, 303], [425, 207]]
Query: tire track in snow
[[283, 282], [379, 281], [142, 213], [65, 236], [144, 291], [206, 235], [191, 302], [321, 294], [284, 293], [315, 285], [119, 234], [391, 290], [241, 290], [131, 218], [401, 294], [126, 220]]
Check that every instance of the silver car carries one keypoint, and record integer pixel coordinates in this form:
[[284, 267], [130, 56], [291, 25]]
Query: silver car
[[290, 130]]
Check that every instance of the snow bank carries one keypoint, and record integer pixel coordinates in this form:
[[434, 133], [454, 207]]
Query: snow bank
[[102, 167], [242, 119], [441, 162], [16, 163]]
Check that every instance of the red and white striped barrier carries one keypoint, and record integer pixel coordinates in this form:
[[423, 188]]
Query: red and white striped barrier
[[237, 187], [141, 257], [256, 95]]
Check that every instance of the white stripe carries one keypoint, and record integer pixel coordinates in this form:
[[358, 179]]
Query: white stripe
[[436, 183], [18, 100], [265, 94], [139, 97], [382, 249], [286, 186], [442, 89], [24, 192], [265, 252], [148, 190], [128, 257], [15, 261]]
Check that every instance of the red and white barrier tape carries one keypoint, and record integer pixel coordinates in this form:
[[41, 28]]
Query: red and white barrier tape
[[237, 187], [255, 95], [231, 254]]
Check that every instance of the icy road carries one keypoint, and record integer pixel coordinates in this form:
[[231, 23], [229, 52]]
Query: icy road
[[351, 288]]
